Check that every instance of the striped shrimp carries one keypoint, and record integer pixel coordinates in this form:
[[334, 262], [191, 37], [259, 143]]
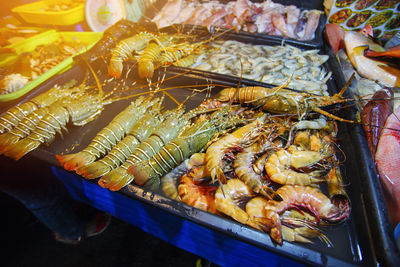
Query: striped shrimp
[[283, 167], [148, 60], [124, 50], [239, 138], [14, 115], [109, 136], [231, 198], [125, 147], [282, 101], [187, 61], [165, 132], [294, 196], [78, 109], [23, 129], [198, 196], [192, 140], [295, 228]]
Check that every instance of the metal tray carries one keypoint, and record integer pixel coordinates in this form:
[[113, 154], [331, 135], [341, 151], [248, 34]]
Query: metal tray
[[352, 240], [316, 42]]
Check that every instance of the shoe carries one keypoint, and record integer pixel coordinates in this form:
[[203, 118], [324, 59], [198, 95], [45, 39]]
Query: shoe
[[98, 224], [63, 239], [93, 228]]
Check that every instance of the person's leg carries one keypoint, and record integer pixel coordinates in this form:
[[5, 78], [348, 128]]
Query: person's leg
[[32, 183], [48, 200]]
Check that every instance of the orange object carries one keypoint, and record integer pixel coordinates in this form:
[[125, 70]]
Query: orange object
[[335, 36]]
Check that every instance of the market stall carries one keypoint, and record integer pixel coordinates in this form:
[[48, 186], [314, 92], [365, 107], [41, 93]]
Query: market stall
[[104, 89]]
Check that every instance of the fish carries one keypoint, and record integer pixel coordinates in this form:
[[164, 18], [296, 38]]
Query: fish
[[374, 116], [388, 162], [356, 44]]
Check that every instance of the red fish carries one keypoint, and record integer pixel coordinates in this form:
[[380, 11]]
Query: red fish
[[388, 163], [374, 116]]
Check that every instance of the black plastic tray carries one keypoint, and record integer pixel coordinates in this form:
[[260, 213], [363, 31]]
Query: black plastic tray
[[316, 42], [352, 240], [203, 34], [381, 230]]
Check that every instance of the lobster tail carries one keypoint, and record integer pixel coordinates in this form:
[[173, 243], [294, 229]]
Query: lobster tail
[[71, 162], [21, 148], [115, 68], [122, 182], [6, 141], [93, 170], [146, 69], [114, 177]]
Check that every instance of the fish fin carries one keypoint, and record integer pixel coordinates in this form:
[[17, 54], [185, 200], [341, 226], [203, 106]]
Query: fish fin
[[393, 71], [359, 50]]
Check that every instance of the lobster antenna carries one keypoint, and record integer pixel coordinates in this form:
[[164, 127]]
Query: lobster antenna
[[95, 77], [346, 85], [238, 85]]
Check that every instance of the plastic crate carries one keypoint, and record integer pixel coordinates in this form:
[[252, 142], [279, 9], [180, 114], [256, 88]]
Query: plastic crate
[[33, 13], [87, 38]]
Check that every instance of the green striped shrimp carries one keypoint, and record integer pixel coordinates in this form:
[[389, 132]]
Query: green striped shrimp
[[165, 132], [143, 129], [14, 115], [78, 109], [23, 129], [192, 140], [124, 50], [151, 55], [109, 136]]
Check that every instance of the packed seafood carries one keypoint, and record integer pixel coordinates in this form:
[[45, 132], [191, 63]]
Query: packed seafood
[[11, 34], [31, 65], [266, 17], [56, 6], [268, 64]]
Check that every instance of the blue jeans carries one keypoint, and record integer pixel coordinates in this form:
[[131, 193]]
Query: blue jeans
[[31, 182]]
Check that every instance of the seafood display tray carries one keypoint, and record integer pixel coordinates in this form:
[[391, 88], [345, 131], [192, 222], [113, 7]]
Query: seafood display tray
[[33, 13], [387, 251], [87, 38], [351, 239], [316, 42]]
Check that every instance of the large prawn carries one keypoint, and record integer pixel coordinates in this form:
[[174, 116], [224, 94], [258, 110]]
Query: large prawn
[[296, 226], [309, 198], [282, 101], [14, 115], [240, 138], [243, 164], [190, 141], [109, 136], [124, 50], [121, 151]]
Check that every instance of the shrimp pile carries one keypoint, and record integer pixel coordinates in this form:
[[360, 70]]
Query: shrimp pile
[[266, 173], [268, 64], [30, 65]]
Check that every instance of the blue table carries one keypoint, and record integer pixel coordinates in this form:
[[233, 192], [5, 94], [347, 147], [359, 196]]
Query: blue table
[[210, 244]]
